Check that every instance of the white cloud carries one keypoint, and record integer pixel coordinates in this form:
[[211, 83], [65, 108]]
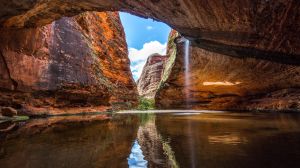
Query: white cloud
[[137, 69], [138, 58], [149, 27]]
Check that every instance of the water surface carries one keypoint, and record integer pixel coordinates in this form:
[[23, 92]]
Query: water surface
[[179, 139]]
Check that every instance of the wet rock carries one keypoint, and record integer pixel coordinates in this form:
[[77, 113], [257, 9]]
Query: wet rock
[[8, 111]]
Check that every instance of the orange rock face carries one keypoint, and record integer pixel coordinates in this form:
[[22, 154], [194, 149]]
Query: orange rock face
[[265, 29], [220, 82], [151, 76], [251, 48], [73, 62]]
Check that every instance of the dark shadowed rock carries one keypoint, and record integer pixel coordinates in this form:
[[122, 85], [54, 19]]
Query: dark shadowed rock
[[242, 28], [71, 63], [245, 54], [8, 111]]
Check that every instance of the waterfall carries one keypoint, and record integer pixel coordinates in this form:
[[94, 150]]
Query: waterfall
[[187, 71], [187, 84]]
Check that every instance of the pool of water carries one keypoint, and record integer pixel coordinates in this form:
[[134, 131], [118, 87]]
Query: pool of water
[[180, 139]]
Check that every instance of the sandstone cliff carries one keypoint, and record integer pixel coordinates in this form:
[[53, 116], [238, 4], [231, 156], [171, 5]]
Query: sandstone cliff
[[257, 39], [242, 28], [150, 78], [220, 82], [73, 62]]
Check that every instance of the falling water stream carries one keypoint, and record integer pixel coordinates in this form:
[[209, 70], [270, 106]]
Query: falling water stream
[[187, 83], [187, 70]]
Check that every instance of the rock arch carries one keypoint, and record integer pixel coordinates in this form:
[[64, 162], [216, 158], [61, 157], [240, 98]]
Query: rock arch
[[241, 28]]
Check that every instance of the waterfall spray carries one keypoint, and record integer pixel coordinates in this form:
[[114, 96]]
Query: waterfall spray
[[187, 70]]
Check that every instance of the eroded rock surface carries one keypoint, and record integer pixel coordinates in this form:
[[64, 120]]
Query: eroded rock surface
[[251, 48], [220, 82], [243, 28], [150, 78], [73, 62]]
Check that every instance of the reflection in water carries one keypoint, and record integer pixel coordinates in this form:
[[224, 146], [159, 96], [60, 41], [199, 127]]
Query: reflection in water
[[157, 151], [169, 155], [160, 140], [136, 157], [191, 144], [226, 139], [233, 140], [187, 114], [177, 112], [70, 142]]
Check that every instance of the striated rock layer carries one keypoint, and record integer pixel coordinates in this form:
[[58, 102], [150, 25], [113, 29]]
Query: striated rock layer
[[242, 28], [220, 82], [151, 76], [73, 62], [251, 48]]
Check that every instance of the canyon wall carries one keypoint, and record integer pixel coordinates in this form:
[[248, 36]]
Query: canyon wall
[[219, 82], [150, 78], [267, 30], [245, 54], [73, 62]]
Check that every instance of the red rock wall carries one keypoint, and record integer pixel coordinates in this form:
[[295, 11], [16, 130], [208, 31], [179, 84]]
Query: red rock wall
[[254, 29], [73, 62], [243, 28], [150, 78], [220, 82]]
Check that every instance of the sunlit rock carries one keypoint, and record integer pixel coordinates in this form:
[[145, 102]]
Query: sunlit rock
[[73, 62], [254, 42], [150, 78], [220, 82], [240, 28]]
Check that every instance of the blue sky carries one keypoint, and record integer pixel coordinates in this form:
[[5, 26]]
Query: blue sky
[[144, 37]]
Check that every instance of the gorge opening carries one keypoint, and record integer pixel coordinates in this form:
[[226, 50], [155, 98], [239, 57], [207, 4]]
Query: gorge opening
[[144, 38], [239, 77]]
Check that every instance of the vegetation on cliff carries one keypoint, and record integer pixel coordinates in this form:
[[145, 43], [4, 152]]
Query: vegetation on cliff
[[171, 54], [146, 104]]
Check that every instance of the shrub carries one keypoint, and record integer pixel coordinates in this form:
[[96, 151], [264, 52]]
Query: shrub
[[146, 104]]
